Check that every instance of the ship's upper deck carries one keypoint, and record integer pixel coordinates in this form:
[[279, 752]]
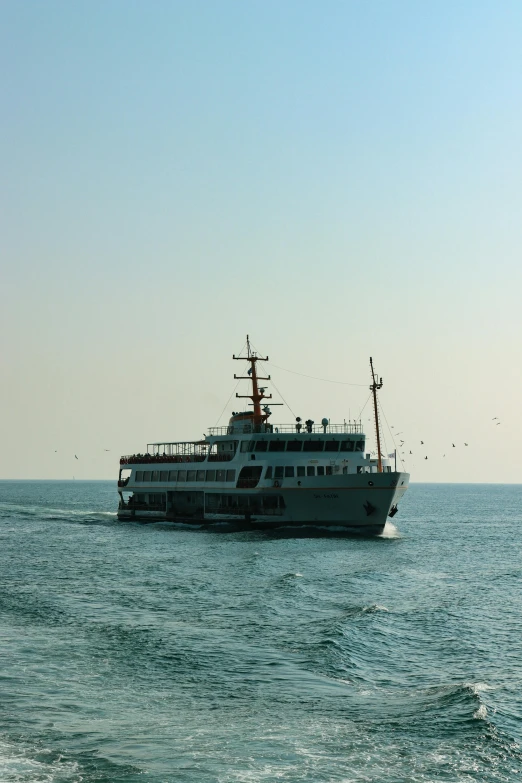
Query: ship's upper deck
[[247, 427]]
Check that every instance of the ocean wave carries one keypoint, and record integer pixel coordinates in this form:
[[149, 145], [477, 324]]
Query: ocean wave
[[52, 513], [23, 764]]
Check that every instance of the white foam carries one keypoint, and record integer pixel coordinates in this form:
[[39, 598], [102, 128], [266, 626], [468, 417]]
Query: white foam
[[17, 766], [481, 712], [479, 687], [390, 531]]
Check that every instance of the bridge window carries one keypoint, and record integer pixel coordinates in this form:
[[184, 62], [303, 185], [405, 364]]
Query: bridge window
[[331, 445], [211, 475], [182, 475], [247, 445], [200, 475], [221, 475], [279, 472], [310, 470], [359, 445], [328, 470], [164, 475], [313, 445], [231, 475], [268, 474], [139, 475], [261, 445], [277, 445], [155, 475], [289, 471], [146, 475], [300, 470], [294, 445], [173, 475], [347, 445], [191, 475], [320, 470]]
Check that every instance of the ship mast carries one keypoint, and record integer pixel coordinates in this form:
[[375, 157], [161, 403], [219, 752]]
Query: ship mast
[[257, 393], [376, 384]]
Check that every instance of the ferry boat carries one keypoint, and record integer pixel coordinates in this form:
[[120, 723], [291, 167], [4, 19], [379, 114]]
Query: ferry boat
[[255, 474]]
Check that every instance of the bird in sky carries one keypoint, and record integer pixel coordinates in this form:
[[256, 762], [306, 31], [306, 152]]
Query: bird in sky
[[425, 458], [75, 457], [106, 449], [411, 452], [422, 443], [494, 418], [498, 423], [443, 455], [465, 444], [453, 445]]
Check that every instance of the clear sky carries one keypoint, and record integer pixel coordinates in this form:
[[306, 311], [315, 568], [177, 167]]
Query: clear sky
[[338, 179]]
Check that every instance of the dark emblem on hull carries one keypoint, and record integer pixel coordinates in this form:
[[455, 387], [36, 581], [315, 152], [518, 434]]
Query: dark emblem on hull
[[393, 510], [369, 508]]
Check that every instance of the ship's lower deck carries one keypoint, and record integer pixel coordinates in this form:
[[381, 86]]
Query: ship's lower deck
[[360, 506]]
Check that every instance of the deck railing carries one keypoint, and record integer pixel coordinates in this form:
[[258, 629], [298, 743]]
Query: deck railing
[[346, 428]]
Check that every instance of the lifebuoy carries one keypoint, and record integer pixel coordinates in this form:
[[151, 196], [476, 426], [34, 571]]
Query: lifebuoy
[[277, 484]]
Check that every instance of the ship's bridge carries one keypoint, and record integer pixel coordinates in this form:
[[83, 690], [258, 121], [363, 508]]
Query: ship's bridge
[[239, 423]]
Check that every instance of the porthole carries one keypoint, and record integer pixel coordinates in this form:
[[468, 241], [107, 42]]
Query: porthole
[[370, 483]]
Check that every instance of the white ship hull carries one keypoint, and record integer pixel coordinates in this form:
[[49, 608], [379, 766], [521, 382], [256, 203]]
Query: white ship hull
[[355, 503], [255, 474]]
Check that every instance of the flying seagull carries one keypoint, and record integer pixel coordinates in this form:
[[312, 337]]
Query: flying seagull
[[453, 445], [106, 449], [411, 452], [465, 444], [498, 423], [422, 443], [75, 457], [425, 458], [494, 418]]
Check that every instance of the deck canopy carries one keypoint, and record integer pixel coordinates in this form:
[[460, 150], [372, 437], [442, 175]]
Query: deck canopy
[[179, 447]]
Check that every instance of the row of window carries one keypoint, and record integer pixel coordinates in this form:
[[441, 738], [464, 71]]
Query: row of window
[[235, 504], [238, 504], [310, 444], [185, 475], [288, 471], [279, 472]]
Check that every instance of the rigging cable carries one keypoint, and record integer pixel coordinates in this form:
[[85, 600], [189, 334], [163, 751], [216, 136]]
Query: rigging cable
[[392, 437], [285, 402], [314, 378], [227, 402], [363, 407], [233, 390]]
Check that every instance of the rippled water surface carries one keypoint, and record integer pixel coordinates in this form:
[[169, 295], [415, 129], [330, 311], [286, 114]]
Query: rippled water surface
[[138, 652]]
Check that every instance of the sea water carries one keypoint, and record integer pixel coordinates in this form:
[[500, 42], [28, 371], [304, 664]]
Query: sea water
[[133, 652]]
